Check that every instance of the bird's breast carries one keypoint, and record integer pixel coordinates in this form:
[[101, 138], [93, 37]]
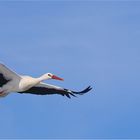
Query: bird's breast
[[26, 83]]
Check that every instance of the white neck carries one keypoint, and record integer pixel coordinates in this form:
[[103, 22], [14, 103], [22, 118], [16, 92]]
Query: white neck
[[43, 77]]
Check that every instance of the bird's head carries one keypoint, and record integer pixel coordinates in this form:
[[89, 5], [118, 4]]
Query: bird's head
[[51, 76]]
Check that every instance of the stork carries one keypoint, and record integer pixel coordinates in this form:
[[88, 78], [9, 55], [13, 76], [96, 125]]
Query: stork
[[10, 81]]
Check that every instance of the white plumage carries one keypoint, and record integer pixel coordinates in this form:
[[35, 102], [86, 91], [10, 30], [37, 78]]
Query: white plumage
[[10, 81]]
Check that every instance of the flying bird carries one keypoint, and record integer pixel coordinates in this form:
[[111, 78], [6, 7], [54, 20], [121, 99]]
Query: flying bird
[[10, 81]]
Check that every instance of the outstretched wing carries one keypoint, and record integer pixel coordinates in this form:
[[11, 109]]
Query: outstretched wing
[[47, 89], [6, 75]]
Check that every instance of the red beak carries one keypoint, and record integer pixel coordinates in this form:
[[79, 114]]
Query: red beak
[[57, 78]]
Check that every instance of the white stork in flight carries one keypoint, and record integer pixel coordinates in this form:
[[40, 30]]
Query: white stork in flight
[[13, 82]]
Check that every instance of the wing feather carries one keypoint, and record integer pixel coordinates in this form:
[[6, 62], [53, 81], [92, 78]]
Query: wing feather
[[7, 73], [3, 81], [47, 89]]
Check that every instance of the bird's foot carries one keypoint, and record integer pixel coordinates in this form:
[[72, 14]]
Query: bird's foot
[[2, 94], [1, 90]]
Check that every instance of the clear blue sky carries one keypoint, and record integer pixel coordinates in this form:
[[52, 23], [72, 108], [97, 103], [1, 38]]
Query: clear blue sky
[[86, 43]]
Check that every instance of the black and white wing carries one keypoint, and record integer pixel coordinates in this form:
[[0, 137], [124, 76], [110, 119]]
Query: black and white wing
[[47, 89], [6, 75]]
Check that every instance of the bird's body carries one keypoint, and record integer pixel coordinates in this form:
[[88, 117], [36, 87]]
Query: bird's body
[[27, 82], [13, 82]]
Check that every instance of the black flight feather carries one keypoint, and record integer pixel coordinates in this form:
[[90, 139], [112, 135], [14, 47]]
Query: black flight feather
[[49, 91], [3, 81]]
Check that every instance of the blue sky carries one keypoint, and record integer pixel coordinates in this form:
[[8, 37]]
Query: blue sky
[[86, 43]]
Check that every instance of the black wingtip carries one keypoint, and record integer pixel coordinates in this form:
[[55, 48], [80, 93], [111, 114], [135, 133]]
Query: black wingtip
[[83, 91], [70, 93]]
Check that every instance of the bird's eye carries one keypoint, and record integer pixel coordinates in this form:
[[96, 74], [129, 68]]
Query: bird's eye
[[49, 75]]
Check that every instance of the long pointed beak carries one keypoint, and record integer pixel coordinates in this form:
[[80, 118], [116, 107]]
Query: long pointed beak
[[57, 78]]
